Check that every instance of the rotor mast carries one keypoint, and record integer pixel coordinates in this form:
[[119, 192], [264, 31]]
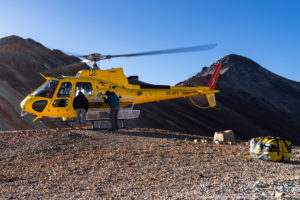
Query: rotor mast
[[94, 57]]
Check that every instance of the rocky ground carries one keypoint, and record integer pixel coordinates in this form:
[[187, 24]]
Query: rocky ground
[[137, 164]]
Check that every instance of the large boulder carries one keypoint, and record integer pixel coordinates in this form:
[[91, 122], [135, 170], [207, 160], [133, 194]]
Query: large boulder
[[224, 136]]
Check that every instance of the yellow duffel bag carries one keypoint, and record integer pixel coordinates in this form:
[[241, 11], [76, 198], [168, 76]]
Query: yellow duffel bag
[[271, 148]]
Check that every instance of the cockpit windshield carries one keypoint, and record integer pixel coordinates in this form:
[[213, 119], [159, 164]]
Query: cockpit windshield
[[46, 90]]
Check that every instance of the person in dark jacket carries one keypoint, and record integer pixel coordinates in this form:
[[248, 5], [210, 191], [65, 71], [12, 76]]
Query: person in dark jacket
[[81, 105], [113, 101]]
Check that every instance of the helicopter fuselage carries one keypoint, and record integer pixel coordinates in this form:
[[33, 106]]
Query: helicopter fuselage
[[55, 97]]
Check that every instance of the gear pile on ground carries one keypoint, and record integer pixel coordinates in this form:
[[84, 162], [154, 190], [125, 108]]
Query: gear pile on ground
[[137, 163]]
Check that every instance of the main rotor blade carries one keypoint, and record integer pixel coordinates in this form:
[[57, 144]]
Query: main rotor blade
[[166, 51]]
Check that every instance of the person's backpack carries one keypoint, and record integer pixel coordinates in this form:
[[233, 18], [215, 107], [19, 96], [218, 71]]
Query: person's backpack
[[271, 148]]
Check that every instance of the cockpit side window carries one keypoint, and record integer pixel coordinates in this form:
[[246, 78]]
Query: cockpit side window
[[84, 87], [65, 89], [46, 90]]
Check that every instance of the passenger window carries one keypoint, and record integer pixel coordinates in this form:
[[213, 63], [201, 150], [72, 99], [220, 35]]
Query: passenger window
[[84, 87], [60, 103], [65, 90]]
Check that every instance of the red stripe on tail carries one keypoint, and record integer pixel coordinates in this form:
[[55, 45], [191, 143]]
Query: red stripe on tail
[[214, 78]]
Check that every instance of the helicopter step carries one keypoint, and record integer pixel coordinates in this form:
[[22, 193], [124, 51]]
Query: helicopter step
[[124, 114]]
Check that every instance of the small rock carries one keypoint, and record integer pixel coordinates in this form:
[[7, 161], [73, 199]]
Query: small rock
[[258, 184], [224, 136], [279, 194], [163, 145], [282, 189], [203, 141], [256, 196], [195, 140], [295, 189]]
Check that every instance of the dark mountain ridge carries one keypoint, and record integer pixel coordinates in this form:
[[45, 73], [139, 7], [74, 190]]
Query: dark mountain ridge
[[253, 102]]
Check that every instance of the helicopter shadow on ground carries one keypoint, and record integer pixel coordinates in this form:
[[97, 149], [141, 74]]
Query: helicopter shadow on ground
[[149, 134], [293, 162]]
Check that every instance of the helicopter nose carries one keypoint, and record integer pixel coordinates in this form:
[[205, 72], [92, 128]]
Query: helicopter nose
[[23, 103], [33, 105]]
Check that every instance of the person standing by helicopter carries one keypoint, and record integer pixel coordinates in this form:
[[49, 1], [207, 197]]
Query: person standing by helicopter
[[81, 105], [113, 101]]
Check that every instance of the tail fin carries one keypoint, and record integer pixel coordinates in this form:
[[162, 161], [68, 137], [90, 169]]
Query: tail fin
[[214, 78]]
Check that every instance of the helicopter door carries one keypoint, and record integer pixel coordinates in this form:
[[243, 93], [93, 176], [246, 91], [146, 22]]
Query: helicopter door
[[86, 88], [62, 101]]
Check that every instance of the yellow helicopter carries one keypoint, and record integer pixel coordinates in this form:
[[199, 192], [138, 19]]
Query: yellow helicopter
[[54, 98]]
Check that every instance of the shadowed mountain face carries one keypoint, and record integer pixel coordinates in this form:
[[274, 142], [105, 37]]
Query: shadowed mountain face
[[253, 102], [21, 61]]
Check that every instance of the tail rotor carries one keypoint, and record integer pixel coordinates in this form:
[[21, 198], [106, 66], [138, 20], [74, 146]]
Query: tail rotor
[[206, 100]]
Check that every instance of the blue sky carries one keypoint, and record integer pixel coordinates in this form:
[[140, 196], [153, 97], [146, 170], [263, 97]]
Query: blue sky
[[266, 31]]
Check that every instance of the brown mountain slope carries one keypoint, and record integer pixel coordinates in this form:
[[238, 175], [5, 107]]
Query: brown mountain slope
[[21, 61]]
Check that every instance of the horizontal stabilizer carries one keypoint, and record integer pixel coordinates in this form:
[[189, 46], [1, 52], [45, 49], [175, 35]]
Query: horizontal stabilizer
[[211, 99]]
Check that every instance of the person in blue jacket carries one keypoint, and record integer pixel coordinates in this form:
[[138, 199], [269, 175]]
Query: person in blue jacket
[[113, 101]]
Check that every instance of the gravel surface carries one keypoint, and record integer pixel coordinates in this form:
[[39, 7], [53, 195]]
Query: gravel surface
[[137, 164]]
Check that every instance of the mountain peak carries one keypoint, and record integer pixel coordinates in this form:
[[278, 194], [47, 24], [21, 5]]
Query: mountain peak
[[234, 59], [11, 40], [28, 57], [14, 39]]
